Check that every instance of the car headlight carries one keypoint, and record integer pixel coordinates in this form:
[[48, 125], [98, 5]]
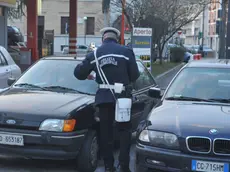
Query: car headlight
[[58, 125], [159, 139]]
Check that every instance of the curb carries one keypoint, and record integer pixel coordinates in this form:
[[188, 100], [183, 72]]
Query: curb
[[169, 71]]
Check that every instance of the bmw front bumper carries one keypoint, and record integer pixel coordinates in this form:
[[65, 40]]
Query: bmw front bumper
[[169, 160]]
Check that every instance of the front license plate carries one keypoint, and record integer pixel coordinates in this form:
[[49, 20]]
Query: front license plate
[[209, 166], [7, 139]]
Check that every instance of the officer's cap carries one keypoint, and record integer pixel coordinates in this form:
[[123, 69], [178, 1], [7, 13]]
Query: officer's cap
[[110, 29]]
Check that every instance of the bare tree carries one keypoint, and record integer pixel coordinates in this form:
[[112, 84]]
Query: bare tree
[[18, 11], [165, 17], [105, 10], [99, 23]]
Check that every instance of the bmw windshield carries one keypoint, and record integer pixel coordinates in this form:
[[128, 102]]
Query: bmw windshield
[[201, 84], [56, 74]]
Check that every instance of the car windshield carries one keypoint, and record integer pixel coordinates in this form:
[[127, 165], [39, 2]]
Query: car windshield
[[16, 29], [57, 74], [212, 84]]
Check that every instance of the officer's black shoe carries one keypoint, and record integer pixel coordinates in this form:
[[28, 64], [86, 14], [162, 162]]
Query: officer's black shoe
[[123, 169], [107, 169]]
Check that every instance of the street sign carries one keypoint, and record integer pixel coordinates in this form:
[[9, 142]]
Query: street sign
[[142, 32], [200, 35], [142, 43], [179, 32]]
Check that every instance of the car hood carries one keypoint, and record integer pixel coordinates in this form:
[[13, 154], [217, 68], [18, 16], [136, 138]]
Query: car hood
[[191, 118], [40, 104]]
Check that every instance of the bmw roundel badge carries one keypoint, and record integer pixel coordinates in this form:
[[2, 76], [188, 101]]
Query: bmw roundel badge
[[213, 131], [11, 121]]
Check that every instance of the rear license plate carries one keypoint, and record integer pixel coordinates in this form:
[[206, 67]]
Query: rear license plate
[[8, 139], [209, 166]]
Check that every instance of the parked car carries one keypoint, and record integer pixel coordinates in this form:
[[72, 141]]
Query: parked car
[[14, 36], [189, 48], [81, 49], [188, 130], [48, 113], [188, 57], [8, 68]]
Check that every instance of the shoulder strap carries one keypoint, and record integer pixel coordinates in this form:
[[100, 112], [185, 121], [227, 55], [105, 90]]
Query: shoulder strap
[[102, 74]]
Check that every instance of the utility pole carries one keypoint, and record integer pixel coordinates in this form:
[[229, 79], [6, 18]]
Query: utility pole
[[203, 28], [228, 34], [123, 23], [222, 39], [105, 19]]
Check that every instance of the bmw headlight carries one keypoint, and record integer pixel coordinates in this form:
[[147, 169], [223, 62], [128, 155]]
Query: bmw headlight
[[58, 125], [159, 139]]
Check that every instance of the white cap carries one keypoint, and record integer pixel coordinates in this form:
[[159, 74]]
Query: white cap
[[110, 29]]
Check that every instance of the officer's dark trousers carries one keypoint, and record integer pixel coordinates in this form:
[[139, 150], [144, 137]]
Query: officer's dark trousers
[[107, 116]]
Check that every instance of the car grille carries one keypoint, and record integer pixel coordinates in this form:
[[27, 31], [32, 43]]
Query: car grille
[[198, 144], [221, 147]]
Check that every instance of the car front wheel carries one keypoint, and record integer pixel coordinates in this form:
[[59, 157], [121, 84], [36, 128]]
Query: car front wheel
[[139, 168], [88, 156]]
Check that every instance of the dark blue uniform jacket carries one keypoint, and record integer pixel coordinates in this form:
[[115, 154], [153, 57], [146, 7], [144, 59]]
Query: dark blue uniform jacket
[[117, 62]]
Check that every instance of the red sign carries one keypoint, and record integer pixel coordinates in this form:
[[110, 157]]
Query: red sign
[[179, 32]]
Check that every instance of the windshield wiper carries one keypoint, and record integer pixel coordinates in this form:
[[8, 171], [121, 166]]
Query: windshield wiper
[[59, 87], [221, 100], [29, 85], [184, 98], [64, 88], [53, 88]]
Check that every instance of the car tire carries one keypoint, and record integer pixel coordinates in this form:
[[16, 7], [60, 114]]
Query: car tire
[[88, 156], [140, 168]]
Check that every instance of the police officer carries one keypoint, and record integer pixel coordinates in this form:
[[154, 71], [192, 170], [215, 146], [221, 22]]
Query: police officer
[[119, 66]]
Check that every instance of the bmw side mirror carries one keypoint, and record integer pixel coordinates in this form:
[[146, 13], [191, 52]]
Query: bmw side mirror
[[10, 81], [155, 93]]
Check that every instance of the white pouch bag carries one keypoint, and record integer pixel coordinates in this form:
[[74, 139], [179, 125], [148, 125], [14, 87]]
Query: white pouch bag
[[123, 109], [123, 105]]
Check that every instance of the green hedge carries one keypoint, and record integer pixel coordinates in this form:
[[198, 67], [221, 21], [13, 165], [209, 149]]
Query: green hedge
[[177, 54]]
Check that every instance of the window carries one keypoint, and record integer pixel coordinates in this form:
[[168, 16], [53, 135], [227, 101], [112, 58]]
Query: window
[[203, 83], [64, 25], [61, 73], [16, 30], [145, 79], [90, 26], [1, 11]]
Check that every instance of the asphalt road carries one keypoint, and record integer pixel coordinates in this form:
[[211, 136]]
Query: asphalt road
[[164, 81], [15, 164]]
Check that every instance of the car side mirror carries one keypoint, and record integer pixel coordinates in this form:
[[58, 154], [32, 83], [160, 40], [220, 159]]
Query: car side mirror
[[155, 93], [10, 81]]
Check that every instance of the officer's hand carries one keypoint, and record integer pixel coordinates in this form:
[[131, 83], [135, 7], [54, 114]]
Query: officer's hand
[[91, 77]]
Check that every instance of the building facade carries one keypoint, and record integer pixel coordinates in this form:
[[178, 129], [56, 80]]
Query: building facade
[[192, 30], [4, 5], [54, 15], [212, 23]]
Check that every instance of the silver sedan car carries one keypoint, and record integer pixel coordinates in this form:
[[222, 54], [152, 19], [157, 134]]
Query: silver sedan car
[[8, 68]]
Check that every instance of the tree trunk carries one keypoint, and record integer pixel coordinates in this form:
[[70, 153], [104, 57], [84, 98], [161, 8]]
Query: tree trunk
[[106, 23], [222, 39], [160, 49]]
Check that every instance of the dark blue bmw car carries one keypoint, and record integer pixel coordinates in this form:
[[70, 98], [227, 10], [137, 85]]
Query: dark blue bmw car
[[189, 130]]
